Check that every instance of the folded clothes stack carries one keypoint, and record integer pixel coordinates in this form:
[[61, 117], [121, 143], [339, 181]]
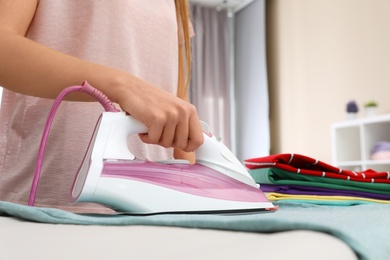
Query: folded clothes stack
[[298, 178]]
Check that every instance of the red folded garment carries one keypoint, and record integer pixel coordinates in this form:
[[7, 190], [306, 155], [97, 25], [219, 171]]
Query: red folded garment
[[301, 164]]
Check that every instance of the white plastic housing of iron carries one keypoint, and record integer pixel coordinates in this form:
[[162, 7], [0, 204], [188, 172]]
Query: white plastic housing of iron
[[112, 176]]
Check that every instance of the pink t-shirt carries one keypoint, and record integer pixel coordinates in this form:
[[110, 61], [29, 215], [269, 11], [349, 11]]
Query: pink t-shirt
[[139, 37]]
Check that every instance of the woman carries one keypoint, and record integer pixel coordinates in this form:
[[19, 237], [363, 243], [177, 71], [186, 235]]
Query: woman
[[133, 51]]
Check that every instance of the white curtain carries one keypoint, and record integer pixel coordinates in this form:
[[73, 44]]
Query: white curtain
[[251, 83], [211, 69], [229, 77]]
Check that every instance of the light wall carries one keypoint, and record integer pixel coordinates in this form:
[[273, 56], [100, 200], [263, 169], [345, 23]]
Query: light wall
[[321, 54]]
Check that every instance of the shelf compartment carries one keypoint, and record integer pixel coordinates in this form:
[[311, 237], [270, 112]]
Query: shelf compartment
[[353, 141], [351, 165], [374, 133], [348, 146], [378, 165]]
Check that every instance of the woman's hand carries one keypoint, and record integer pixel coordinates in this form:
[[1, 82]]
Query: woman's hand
[[171, 121]]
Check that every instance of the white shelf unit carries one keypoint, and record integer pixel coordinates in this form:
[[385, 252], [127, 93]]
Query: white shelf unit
[[353, 140]]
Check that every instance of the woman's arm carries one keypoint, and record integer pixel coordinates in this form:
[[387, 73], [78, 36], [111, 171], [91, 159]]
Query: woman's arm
[[30, 68]]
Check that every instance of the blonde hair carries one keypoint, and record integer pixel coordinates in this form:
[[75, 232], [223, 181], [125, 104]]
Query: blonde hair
[[183, 18]]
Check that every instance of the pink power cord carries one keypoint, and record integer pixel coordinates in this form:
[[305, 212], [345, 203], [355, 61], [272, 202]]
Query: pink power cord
[[85, 88]]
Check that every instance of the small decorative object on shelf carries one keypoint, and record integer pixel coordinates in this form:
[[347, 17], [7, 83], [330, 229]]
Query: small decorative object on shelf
[[352, 110], [370, 108]]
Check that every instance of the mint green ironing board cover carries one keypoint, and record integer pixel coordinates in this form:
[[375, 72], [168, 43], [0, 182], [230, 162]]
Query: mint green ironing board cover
[[365, 228]]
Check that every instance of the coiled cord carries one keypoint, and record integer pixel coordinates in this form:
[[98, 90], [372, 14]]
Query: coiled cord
[[85, 88]]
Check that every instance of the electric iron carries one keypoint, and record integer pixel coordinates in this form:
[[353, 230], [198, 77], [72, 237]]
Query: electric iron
[[112, 176]]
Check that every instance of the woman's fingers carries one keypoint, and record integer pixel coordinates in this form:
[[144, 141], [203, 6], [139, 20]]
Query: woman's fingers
[[195, 135], [181, 135], [154, 134], [180, 130], [167, 138]]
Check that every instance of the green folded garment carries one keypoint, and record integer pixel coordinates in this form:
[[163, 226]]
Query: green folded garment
[[281, 177]]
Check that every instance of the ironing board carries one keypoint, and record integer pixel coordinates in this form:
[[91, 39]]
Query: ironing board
[[295, 231], [63, 241]]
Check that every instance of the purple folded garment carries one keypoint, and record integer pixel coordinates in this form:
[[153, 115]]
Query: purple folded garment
[[309, 190], [380, 146]]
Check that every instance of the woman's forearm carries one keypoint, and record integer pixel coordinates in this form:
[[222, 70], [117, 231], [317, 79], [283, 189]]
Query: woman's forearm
[[33, 69]]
